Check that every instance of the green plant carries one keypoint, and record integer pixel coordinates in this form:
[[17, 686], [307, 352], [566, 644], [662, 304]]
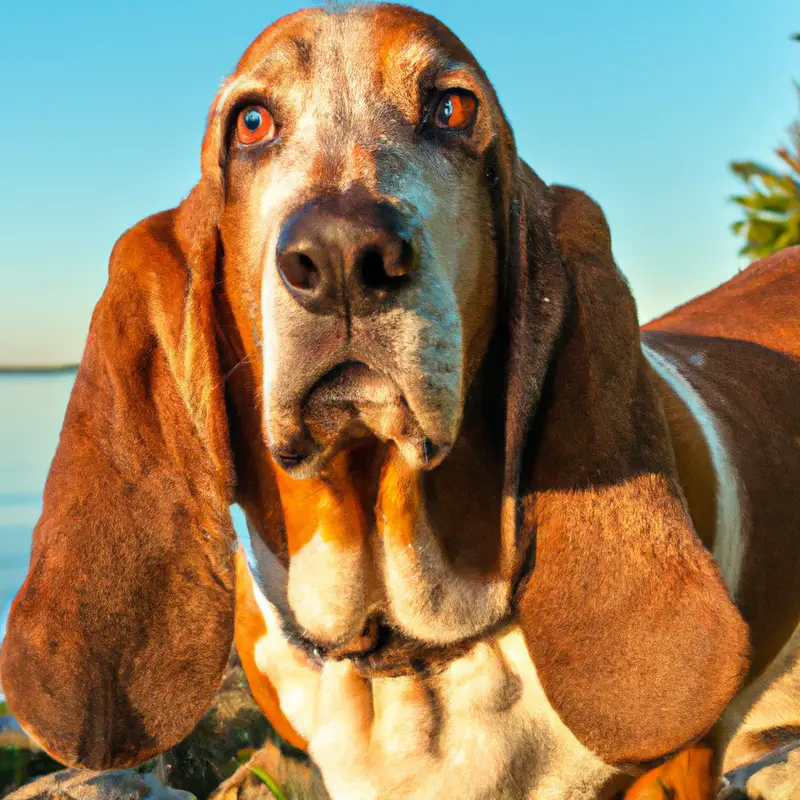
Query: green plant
[[270, 782], [772, 203]]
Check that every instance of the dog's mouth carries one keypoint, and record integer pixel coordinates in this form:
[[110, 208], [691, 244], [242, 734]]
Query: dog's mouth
[[352, 385], [355, 401], [393, 654], [355, 415]]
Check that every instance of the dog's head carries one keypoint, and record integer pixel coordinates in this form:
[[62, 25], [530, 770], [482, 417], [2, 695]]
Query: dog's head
[[365, 267], [362, 172], [350, 150]]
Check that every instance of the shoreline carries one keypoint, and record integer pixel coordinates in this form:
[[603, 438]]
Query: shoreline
[[24, 369]]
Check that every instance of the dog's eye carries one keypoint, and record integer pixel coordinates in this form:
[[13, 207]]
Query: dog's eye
[[455, 111], [255, 124]]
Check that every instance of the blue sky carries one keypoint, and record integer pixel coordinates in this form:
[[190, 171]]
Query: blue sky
[[642, 104]]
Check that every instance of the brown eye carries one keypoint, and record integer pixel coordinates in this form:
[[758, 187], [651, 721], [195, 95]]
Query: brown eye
[[455, 111], [255, 124]]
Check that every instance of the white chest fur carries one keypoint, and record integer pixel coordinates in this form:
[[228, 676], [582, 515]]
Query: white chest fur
[[482, 728]]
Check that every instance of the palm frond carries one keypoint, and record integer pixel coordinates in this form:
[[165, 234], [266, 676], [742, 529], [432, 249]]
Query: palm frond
[[771, 204]]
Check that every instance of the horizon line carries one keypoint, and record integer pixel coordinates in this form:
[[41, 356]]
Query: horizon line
[[31, 369]]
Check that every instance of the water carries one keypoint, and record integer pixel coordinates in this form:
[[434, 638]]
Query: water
[[31, 412]]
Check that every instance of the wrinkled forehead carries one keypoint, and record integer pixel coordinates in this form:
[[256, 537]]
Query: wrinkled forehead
[[356, 54]]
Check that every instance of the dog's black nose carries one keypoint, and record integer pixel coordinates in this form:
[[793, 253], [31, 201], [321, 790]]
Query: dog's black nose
[[344, 254]]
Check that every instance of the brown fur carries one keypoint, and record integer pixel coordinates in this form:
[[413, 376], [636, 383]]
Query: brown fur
[[693, 461], [753, 392], [562, 454], [738, 347], [747, 333], [757, 305], [133, 555], [614, 535]]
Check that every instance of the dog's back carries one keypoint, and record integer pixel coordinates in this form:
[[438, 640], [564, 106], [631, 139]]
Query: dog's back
[[761, 304], [728, 373]]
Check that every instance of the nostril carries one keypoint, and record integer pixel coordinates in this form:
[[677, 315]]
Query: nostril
[[373, 273], [299, 271], [386, 268]]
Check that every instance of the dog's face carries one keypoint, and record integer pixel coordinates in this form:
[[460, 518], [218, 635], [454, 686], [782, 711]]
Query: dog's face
[[359, 229], [352, 151]]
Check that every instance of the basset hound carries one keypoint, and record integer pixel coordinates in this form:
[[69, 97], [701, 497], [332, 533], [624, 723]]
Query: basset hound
[[482, 504]]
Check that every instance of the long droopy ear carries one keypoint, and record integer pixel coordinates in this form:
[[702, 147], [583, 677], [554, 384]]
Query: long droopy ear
[[119, 637], [634, 638]]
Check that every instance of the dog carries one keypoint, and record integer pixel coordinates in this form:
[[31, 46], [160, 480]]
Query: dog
[[482, 505]]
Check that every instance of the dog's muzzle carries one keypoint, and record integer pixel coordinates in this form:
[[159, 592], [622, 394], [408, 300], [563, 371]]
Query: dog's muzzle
[[344, 256], [349, 270]]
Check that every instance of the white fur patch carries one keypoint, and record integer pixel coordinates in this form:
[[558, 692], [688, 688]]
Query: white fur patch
[[269, 575], [481, 728], [729, 541], [288, 669], [328, 590]]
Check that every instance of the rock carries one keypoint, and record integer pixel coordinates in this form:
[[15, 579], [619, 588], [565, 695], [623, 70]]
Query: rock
[[78, 784]]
